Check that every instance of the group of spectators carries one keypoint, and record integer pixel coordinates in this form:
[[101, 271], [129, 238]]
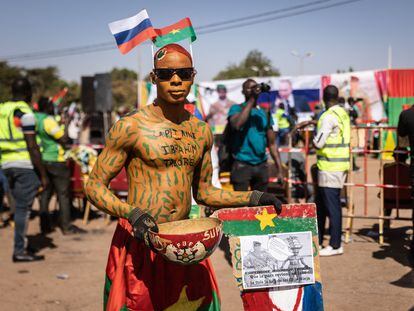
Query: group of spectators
[[252, 131], [32, 145]]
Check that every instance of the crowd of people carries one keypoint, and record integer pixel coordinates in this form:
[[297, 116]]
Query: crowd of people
[[249, 137], [32, 144], [34, 140]]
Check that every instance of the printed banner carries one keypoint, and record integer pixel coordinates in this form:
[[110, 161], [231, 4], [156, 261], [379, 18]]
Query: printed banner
[[277, 260]]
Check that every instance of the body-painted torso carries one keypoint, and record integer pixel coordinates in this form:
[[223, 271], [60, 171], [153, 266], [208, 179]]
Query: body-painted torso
[[161, 164]]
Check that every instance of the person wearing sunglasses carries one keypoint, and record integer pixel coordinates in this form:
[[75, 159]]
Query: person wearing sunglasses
[[166, 153]]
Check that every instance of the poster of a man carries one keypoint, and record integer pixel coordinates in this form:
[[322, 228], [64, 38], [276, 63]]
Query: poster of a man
[[217, 116], [259, 258], [290, 100], [277, 260]]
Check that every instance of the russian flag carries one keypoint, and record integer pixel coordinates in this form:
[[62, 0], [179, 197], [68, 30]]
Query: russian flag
[[132, 31]]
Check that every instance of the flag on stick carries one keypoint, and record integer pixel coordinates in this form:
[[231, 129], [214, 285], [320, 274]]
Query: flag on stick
[[132, 31], [174, 33], [57, 99]]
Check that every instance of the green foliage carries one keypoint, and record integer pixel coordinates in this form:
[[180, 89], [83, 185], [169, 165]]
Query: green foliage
[[45, 82], [255, 64], [123, 74], [124, 87], [7, 75]]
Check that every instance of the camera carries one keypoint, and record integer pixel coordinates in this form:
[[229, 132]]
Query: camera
[[262, 88]]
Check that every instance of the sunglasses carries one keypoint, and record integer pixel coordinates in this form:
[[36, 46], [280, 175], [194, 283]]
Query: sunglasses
[[166, 74]]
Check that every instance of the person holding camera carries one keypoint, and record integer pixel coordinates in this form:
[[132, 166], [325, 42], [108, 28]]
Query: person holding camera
[[252, 133]]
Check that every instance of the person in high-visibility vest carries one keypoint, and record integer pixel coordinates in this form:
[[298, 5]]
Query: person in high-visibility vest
[[332, 144], [20, 160], [284, 124], [53, 140]]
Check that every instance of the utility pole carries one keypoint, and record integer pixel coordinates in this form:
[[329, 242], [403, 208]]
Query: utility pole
[[301, 58], [389, 56]]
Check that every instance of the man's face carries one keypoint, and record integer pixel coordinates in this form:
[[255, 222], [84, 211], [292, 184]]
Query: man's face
[[175, 89], [248, 88], [354, 85], [222, 93], [285, 90], [257, 248]]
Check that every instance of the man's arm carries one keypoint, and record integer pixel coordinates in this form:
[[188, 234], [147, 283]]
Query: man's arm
[[28, 125], [212, 112], [328, 125], [203, 190], [274, 153], [238, 120], [108, 165], [36, 158], [54, 130]]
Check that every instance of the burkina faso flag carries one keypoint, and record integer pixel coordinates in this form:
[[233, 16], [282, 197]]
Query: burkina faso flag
[[174, 33], [139, 279], [263, 221]]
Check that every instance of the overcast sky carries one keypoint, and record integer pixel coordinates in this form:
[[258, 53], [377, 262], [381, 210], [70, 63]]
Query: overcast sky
[[356, 34]]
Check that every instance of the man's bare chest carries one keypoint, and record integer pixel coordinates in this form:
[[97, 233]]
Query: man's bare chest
[[168, 146]]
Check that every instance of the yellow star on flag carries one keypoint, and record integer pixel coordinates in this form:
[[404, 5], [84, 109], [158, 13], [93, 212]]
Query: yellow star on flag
[[184, 304], [174, 31], [265, 219]]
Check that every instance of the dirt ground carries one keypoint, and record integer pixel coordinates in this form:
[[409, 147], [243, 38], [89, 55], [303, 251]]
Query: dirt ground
[[367, 277]]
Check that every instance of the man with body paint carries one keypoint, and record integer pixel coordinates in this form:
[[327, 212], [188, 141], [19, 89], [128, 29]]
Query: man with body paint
[[166, 152]]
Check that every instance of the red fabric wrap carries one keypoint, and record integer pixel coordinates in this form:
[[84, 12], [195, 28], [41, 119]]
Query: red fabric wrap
[[143, 280]]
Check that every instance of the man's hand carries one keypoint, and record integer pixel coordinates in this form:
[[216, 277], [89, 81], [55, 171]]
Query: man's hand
[[45, 182], [141, 223], [259, 198]]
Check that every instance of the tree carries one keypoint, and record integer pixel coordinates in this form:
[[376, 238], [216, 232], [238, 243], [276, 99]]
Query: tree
[[124, 87], [7, 75], [45, 82], [255, 64]]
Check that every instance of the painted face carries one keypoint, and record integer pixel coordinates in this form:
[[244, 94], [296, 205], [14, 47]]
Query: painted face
[[285, 90], [173, 86]]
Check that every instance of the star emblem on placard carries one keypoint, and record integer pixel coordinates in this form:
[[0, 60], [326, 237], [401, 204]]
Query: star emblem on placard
[[184, 304], [174, 31], [265, 219]]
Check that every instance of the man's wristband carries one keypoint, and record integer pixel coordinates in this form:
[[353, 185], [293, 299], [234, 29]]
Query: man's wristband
[[134, 215], [255, 198]]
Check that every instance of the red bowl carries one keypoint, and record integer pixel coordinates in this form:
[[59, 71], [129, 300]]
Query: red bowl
[[187, 241]]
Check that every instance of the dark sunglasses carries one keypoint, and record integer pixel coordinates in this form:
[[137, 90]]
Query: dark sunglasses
[[167, 73]]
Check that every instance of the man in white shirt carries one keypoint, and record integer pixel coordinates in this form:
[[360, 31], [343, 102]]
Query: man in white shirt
[[332, 144]]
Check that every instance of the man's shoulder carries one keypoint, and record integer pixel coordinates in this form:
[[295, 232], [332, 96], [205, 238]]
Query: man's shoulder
[[236, 107], [408, 113]]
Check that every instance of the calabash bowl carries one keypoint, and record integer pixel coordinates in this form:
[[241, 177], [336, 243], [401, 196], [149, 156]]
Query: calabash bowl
[[188, 241]]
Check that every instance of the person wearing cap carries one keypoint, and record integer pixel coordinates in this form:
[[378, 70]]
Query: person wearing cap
[[259, 258], [333, 161], [166, 153], [217, 116], [21, 163]]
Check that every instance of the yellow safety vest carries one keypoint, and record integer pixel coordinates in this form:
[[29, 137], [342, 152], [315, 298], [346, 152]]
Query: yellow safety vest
[[282, 122], [334, 156], [12, 144]]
